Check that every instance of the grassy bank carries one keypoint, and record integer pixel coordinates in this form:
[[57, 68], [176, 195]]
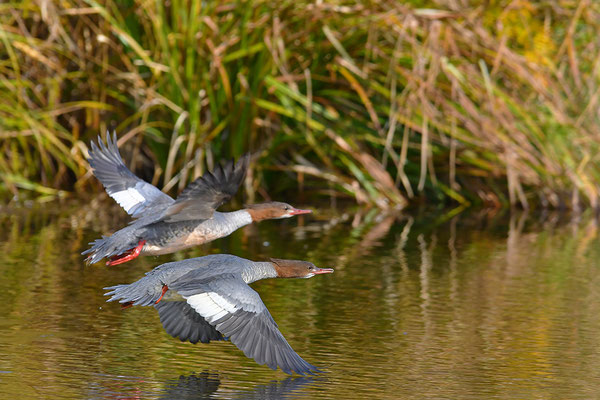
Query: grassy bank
[[495, 103]]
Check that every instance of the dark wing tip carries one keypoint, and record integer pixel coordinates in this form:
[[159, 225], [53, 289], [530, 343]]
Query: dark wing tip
[[181, 321], [244, 162], [259, 338], [238, 172], [203, 196], [105, 154]]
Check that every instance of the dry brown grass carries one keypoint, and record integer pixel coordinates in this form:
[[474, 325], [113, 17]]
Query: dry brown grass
[[494, 104]]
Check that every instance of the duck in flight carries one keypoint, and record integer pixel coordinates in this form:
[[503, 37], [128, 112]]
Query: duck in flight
[[164, 225], [208, 298]]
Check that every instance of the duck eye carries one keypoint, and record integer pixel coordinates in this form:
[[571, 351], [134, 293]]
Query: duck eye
[[286, 208]]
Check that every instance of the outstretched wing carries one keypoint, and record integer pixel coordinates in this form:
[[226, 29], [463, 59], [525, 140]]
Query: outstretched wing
[[181, 321], [133, 194], [203, 196], [237, 312]]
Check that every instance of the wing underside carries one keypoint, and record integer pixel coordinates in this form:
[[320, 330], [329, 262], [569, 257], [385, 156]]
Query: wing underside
[[238, 313], [135, 195]]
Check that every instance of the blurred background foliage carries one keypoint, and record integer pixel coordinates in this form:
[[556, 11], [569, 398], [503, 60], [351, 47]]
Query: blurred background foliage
[[388, 103]]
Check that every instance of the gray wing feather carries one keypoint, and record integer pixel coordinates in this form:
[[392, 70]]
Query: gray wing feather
[[203, 196], [137, 295], [147, 290], [132, 193], [183, 322], [250, 327]]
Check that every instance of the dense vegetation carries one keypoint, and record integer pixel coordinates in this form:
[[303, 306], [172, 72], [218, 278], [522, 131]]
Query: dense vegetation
[[495, 102]]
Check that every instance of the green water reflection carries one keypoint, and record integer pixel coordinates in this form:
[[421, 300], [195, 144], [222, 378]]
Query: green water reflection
[[476, 306]]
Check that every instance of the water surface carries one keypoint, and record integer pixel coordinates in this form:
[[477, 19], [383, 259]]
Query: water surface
[[474, 306]]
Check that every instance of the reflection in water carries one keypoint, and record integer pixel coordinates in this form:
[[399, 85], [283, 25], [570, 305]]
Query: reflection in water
[[206, 385], [194, 386], [469, 306], [203, 385], [289, 388]]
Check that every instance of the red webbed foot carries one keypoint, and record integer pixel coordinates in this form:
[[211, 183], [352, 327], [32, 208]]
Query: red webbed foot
[[164, 290], [128, 255]]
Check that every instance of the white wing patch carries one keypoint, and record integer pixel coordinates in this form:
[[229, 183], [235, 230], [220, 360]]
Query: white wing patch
[[128, 198], [211, 305]]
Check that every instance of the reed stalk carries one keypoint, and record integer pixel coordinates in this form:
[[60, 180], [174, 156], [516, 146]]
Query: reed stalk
[[382, 102]]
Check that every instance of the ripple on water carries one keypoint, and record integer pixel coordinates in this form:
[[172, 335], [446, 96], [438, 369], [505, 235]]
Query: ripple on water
[[414, 310]]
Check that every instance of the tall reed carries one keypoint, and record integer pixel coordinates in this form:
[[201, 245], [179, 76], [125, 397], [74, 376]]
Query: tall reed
[[383, 102]]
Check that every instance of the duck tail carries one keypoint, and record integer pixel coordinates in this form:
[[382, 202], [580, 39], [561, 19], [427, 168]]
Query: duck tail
[[109, 246], [144, 292]]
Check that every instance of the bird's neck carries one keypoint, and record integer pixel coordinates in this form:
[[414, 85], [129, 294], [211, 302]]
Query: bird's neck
[[257, 271], [233, 220]]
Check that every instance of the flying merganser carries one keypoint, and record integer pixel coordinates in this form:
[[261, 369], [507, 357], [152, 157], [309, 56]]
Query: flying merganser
[[218, 304], [164, 225]]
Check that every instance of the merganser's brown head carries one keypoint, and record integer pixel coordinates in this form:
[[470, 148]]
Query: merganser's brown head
[[297, 268], [273, 210]]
